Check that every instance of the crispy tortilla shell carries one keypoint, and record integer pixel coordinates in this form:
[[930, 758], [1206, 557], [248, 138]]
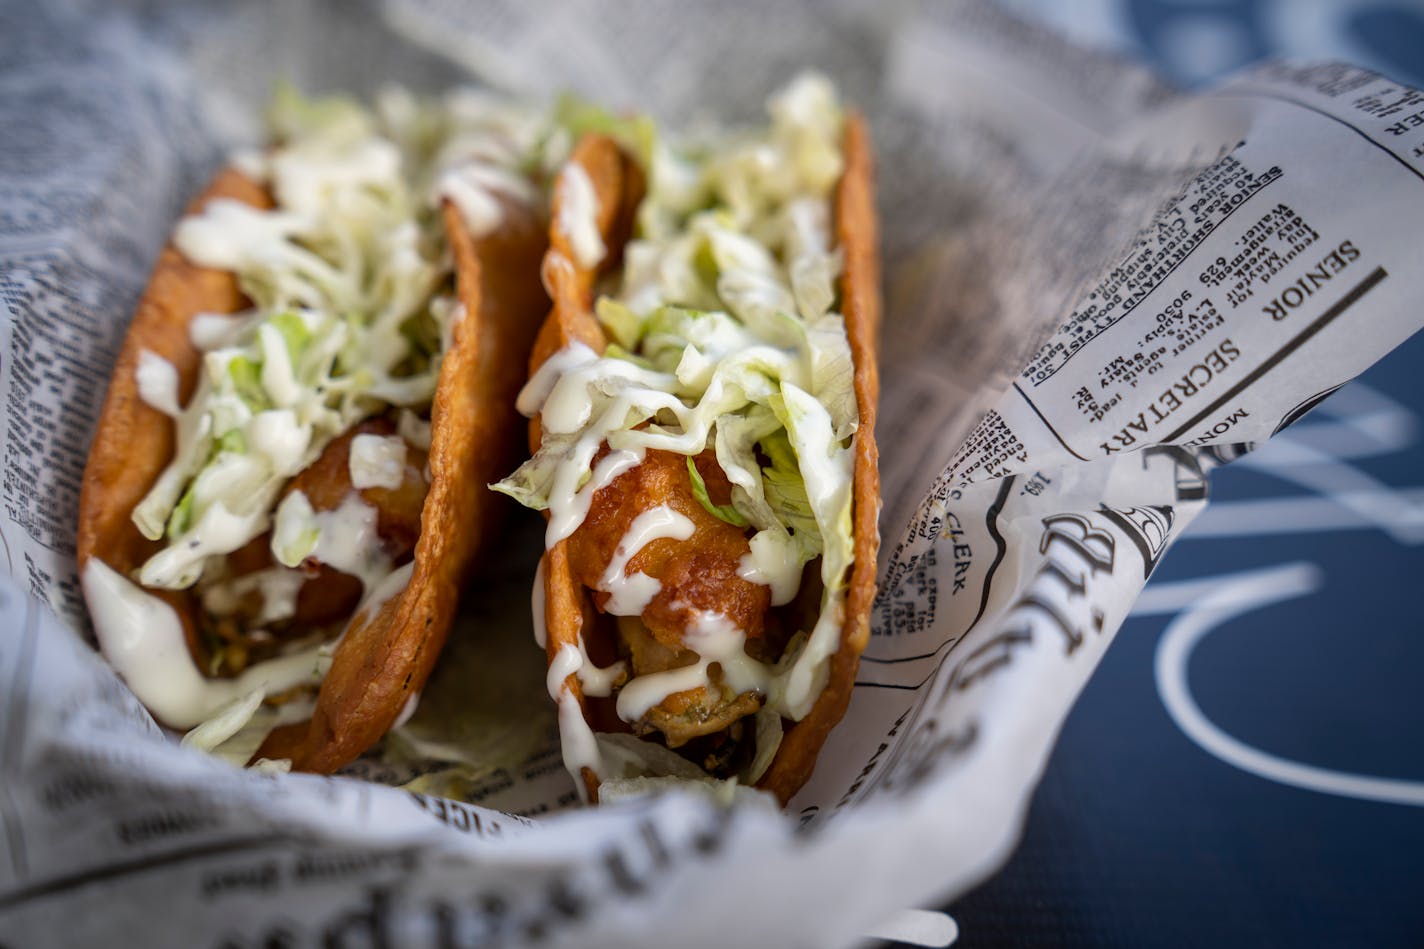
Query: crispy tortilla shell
[[618, 186], [133, 442], [385, 657]]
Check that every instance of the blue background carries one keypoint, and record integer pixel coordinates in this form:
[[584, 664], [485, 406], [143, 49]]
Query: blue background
[[1138, 835]]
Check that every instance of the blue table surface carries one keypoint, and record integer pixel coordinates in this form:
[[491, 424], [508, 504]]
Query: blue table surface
[[1218, 783]]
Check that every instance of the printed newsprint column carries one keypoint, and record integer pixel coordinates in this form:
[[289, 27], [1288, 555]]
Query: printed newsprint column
[[81, 220], [1246, 299], [1236, 309]]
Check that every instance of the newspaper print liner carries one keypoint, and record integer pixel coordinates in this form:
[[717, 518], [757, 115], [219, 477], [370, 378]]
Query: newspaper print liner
[[618, 185]]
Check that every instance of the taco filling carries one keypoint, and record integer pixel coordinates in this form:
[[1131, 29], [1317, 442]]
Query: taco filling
[[699, 471], [294, 494]]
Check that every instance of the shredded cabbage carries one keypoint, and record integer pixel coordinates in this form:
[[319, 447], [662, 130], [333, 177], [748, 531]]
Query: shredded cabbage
[[349, 277]]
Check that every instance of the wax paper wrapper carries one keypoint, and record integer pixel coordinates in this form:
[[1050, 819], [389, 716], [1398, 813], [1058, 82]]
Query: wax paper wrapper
[[1097, 291]]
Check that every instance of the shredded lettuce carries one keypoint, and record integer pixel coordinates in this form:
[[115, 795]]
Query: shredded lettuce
[[295, 530], [725, 512], [625, 326], [636, 133]]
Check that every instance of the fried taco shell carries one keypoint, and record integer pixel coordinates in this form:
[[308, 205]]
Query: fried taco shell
[[389, 646], [702, 566]]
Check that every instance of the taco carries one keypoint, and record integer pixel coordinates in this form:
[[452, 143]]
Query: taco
[[703, 398], [313, 389]]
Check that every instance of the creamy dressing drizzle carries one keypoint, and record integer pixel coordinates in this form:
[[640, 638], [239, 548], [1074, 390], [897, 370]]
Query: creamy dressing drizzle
[[577, 742], [278, 587], [218, 532], [390, 587], [770, 562], [536, 606], [630, 594], [642, 693], [474, 187], [536, 391], [407, 711], [277, 435], [578, 216], [231, 235], [348, 541], [572, 660], [158, 383], [143, 639], [565, 663], [377, 461], [565, 517], [596, 681], [715, 639]]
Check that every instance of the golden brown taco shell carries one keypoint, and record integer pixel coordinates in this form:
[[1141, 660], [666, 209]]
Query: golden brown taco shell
[[134, 441], [383, 658], [618, 188]]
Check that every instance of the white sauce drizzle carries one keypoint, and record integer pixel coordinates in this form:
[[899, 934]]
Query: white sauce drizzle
[[715, 639], [278, 587], [348, 542], [472, 187], [412, 703], [218, 532], [556, 267], [158, 383], [642, 693], [536, 606], [536, 391], [572, 660], [390, 587], [414, 429], [143, 639], [794, 691], [578, 216], [629, 594], [771, 562], [565, 663], [229, 234], [278, 435], [577, 741], [377, 461], [566, 512], [594, 680]]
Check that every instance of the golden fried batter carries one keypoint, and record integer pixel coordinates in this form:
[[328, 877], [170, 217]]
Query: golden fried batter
[[329, 595], [697, 574], [681, 716], [327, 481]]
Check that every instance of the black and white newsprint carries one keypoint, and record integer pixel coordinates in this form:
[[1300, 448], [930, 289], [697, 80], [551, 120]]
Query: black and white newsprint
[[1097, 291]]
